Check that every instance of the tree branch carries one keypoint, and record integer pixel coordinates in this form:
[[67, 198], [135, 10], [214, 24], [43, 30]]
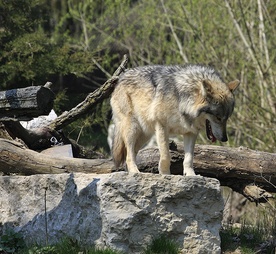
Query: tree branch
[[90, 101]]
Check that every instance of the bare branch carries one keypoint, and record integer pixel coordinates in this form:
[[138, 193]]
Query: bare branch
[[249, 48], [90, 101], [264, 89]]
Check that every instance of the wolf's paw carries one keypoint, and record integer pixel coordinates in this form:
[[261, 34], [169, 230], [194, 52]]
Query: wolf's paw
[[164, 171], [189, 172], [133, 170]]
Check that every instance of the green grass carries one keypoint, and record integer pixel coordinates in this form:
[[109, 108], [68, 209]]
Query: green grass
[[12, 243], [67, 246], [248, 239], [162, 245]]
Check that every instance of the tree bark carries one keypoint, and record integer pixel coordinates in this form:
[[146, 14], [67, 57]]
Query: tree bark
[[236, 168], [25, 103], [16, 158]]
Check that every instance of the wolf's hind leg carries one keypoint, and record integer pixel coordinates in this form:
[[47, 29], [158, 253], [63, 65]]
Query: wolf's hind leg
[[131, 135], [162, 139], [131, 160], [189, 145]]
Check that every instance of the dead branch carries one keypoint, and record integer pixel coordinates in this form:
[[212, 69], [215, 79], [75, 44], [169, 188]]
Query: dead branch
[[90, 101]]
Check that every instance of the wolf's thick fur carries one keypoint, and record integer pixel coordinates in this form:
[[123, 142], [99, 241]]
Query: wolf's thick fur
[[168, 100]]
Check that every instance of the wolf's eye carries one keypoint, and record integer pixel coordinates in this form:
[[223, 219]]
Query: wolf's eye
[[219, 118]]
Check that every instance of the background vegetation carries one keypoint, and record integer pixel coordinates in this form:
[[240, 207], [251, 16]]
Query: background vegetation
[[78, 44]]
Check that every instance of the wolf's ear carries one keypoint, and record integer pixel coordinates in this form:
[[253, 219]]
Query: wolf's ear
[[206, 88], [233, 85]]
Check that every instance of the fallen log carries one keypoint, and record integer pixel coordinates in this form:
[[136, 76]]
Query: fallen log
[[241, 169], [236, 168], [232, 166], [16, 158]]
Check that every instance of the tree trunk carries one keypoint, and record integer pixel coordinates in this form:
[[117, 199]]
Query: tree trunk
[[236, 168]]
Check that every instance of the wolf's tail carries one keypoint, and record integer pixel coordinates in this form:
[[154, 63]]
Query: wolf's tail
[[118, 148]]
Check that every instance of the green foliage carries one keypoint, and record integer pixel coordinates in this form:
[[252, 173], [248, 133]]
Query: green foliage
[[28, 53], [162, 245], [11, 242], [65, 247]]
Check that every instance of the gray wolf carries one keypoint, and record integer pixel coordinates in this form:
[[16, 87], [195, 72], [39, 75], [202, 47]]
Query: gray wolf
[[164, 100]]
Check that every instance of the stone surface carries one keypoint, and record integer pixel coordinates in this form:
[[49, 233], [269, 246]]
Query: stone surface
[[116, 210]]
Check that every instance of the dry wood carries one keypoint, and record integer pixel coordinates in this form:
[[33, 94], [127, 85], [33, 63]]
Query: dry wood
[[233, 167], [16, 158], [236, 168], [25, 103]]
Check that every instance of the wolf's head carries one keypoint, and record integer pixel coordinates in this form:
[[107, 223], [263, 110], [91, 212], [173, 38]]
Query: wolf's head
[[218, 105]]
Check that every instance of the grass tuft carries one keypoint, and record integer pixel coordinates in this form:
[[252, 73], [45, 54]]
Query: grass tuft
[[162, 245], [248, 239]]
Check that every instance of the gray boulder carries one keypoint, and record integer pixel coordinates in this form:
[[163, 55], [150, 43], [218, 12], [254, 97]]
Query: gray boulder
[[118, 210]]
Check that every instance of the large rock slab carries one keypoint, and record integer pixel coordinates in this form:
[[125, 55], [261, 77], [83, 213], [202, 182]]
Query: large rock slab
[[118, 210]]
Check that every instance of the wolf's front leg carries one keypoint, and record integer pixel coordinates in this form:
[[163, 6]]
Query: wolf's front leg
[[162, 139], [189, 146]]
